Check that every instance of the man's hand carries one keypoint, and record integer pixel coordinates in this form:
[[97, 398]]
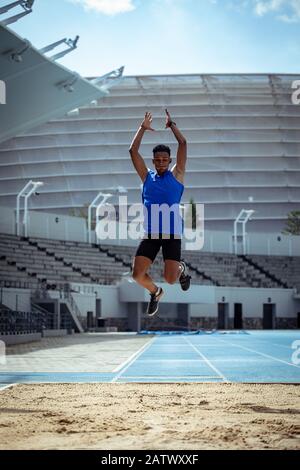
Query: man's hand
[[146, 124], [137, 159], [169, 119], [178, 169]]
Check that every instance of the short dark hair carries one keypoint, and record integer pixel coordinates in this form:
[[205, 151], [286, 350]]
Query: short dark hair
[[161, 148]]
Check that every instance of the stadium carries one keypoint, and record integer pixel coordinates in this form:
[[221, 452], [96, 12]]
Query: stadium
[[71, 313]]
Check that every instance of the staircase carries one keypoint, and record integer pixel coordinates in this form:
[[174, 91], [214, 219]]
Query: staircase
[[61, 303]]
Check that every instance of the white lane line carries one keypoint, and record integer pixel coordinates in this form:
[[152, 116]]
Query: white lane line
[[133, 358], [6, 386], [260, 353], [223, 359], [207, 361], [281, 345], [192, 377], [266, 341], [119, 367], [170, 360]]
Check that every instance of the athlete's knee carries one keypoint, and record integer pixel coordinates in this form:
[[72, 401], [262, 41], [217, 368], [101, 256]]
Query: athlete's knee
[[137, 275], [170, 278]]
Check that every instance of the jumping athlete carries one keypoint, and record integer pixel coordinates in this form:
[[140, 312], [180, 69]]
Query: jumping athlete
[[162, 188]]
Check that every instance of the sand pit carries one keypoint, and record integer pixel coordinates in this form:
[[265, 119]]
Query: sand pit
[[150, 416]]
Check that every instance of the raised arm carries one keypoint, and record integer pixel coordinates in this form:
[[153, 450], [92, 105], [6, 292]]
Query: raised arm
[[137, 159], [178, 169]]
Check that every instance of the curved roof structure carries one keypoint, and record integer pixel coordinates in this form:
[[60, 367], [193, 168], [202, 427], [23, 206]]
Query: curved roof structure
[[37, 88]]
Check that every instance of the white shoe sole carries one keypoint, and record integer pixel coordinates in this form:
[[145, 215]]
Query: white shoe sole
[[159, 297]]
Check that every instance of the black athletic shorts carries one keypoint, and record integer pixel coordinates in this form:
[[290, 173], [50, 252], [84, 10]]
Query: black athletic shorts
[[171, 248]]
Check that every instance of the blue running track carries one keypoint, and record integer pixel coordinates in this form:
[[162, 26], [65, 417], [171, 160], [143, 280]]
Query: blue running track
[[252, 356]]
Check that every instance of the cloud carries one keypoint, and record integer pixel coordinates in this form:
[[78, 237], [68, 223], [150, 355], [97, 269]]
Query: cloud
[[107, 7], [262, 7], [289, 19], [289, 10], [284, 10]]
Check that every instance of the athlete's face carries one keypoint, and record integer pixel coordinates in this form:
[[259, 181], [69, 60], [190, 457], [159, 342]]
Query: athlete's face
[[161, 161]]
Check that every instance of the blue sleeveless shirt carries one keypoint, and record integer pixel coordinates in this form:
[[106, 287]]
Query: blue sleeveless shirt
[[161, 195]]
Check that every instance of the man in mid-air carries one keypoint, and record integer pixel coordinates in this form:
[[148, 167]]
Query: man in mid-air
[[161, 188]]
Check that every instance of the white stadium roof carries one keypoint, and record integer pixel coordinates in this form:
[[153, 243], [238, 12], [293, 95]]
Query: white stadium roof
[[39, 89]]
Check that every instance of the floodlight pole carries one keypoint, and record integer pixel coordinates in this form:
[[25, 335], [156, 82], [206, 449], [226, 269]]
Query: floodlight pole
[[242, 218], [117, 190], [105, 196], [26, 192], [18, 206]]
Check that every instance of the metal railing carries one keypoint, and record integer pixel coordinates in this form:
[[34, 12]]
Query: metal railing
[[65, 294], [14, 322]]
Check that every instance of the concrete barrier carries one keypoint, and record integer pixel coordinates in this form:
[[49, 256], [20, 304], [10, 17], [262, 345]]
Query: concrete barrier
[[19, 338], [50, 333], [106, 329]]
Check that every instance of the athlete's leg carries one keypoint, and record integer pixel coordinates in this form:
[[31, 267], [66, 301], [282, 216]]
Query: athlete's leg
[[174, 267], [171, 249], [141, 265], [144, 257], [172, 270]]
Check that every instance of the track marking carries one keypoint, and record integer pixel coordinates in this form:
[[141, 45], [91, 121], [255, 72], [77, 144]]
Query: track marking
[[119, 367], [170, 360], [131, 360], [281, 345], [266, 340], [207, 361], [6, 386], [192, 377], [260, 353]]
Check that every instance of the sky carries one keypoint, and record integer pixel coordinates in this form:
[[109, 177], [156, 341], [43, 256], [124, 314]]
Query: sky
[[158, 37]]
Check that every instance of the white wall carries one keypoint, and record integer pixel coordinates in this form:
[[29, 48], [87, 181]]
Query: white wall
[[113, 307], [45, 225], [110, 301], [85, 303], [109, 295], [130, 291], [252, 300], [114, 300]]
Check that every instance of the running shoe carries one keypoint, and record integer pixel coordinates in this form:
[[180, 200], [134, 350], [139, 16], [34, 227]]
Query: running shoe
[[153, 303], [184, 278]]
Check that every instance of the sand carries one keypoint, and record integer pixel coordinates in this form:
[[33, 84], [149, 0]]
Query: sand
[[150, 416]]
